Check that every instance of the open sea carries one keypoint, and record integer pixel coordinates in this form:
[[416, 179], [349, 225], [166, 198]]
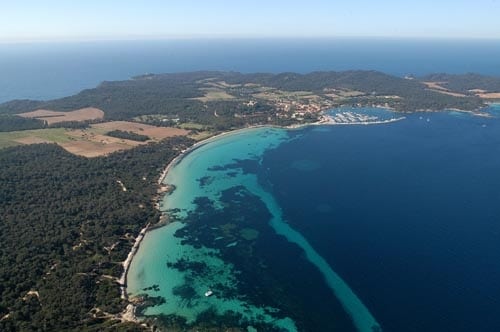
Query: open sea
[[391, 227], [53, 70]]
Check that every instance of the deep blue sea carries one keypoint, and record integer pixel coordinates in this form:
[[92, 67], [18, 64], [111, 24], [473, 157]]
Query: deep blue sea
[[407, 213], [51, 70]]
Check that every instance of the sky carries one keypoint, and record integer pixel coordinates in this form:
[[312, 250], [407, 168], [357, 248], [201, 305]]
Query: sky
[[24, 20]]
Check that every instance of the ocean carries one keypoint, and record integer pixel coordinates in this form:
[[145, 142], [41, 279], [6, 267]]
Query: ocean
[[389, 227], [52, 70]]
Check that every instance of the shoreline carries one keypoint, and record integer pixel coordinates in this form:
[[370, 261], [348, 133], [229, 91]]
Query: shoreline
[[126, 263]]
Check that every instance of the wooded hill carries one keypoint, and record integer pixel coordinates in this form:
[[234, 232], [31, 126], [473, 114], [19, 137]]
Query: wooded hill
[[174, 95]]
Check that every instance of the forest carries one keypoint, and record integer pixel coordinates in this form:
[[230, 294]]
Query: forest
[[12, 123], [66, 225], [128, 135]]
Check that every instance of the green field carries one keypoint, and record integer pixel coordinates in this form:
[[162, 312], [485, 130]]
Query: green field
[[55, 135]]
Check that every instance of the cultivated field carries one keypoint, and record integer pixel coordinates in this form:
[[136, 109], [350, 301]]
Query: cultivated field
[[51, 117], [156, 133], [51, 135], [91, 142], [91, 149]]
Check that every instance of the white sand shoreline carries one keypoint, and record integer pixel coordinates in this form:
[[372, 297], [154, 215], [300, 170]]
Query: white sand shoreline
[[126, 263]]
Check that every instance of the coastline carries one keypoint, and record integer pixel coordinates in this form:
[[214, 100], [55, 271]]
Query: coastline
[[126, 263]]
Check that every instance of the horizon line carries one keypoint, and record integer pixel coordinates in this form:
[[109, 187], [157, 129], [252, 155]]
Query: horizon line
[[83, 39]]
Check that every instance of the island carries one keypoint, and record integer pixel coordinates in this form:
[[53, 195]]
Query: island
[[81, 175]]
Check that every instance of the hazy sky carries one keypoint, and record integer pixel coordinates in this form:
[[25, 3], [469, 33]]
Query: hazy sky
[[118, 19]]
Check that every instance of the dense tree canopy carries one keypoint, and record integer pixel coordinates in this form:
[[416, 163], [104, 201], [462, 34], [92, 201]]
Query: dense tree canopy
[[128, 135], [13, 123], [66, 225]]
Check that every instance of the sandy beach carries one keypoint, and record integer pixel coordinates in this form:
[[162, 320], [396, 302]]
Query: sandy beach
[[126, 263]]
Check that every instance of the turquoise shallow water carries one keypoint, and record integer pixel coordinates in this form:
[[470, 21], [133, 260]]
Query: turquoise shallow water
[[161, 246]]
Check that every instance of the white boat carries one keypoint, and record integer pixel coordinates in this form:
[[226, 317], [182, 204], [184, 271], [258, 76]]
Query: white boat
[[208, 293]]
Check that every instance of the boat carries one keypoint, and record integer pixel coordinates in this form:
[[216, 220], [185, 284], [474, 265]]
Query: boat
[[208, 293]]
